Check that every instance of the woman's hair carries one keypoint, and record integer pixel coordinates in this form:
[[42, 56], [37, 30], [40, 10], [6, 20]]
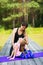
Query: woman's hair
[[24, 24]]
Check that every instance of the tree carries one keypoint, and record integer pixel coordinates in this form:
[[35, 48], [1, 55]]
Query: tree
[[8, 10], [33, 7]]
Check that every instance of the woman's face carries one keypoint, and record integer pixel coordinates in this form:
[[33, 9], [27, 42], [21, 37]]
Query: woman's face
[[23, 27]]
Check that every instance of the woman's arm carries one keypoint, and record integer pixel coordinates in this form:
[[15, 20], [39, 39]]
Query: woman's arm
[[26, 37]]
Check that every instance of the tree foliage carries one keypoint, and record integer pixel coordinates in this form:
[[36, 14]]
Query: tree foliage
[[12, 9]]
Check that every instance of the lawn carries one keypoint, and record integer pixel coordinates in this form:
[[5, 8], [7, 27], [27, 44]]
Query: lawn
[[4, 34], [35, 34]]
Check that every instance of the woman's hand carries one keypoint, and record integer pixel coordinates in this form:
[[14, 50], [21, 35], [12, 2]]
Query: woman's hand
[[26, 37]]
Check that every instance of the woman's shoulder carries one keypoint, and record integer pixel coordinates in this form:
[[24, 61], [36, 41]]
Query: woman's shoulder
[[15, 29]]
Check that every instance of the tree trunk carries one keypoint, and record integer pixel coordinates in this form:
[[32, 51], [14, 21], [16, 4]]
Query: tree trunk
[[25, 13], [33, 21], [26, 18], [13, 23]]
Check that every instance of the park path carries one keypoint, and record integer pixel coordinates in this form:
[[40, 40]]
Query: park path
[[32, 46]]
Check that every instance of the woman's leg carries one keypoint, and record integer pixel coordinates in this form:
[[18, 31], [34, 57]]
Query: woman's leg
[[11, 50]]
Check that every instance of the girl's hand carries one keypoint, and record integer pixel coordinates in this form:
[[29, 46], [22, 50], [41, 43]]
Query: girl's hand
[[12, 58], [8, 57]]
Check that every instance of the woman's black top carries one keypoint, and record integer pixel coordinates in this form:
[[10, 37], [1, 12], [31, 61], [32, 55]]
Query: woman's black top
[[18, 36], [16, 39]]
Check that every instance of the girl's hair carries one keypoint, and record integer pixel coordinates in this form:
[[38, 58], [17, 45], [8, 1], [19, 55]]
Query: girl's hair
[[23, 44], [23, 41]]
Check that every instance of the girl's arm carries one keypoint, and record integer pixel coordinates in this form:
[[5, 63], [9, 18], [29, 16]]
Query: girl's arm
[[14, 52]]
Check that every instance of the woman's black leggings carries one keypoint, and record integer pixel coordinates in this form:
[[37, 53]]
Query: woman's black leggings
[[11, 49]]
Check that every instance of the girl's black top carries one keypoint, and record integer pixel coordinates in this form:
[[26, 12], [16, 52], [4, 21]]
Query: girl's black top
[[18, 36]]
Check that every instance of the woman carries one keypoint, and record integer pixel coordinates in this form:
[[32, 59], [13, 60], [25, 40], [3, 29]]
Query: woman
[[19, 33]]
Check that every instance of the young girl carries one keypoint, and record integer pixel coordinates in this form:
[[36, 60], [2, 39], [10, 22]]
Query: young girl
[[18, 48]]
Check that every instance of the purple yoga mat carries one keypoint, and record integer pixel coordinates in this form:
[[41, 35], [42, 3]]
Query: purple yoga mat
[[35, 55]]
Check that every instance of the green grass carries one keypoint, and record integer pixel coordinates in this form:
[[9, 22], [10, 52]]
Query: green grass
[[35, 34], [4, 34]]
